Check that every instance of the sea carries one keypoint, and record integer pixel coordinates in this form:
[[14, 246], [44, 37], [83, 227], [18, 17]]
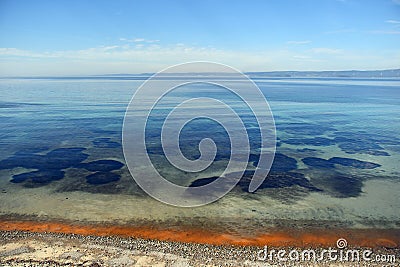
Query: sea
[[337, 155]]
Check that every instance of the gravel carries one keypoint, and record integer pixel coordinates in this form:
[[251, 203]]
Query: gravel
[[19, 248]]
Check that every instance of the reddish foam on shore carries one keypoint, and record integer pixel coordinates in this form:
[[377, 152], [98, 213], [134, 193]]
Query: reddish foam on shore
[[389, 238]]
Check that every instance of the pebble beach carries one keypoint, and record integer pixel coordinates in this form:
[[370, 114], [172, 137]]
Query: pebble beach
[[22, 248]]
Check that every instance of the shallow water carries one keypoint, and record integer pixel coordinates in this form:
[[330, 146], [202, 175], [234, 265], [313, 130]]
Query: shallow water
[[336, 163]]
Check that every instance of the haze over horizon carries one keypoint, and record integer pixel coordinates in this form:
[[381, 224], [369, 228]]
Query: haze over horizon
[[86, 38]]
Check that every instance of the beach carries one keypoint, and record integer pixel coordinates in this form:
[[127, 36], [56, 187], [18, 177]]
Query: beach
[[21, 248], [27, 242]]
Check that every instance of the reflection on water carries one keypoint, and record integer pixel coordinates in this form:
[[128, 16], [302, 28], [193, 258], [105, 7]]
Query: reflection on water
[[337, 153]]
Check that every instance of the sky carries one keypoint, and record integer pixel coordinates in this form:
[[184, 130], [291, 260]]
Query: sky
[[84, 37]]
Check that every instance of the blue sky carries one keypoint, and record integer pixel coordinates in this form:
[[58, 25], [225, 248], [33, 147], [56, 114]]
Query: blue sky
[[93, 37]]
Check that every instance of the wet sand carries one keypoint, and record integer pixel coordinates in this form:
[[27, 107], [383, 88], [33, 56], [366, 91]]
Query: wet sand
[[299, 237]]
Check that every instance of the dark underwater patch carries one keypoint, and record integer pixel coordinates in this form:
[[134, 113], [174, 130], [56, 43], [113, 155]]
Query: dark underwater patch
[[360, 145], [306, 150], [60, 158], [102, 165], [49, 166], [323, 163], [318, 162], [281, 163], [155, 150], [38, 177], [374, 138], [354, 147], [274, 180], [203, 181], [304, 128], [363, 142], [317, 141], [25, 160], [339, 185], [63, 158], [99, 178], [278, 180], [359, 164]]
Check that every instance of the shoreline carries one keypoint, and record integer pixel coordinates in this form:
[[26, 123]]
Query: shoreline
[[306, 236], [22, 248]]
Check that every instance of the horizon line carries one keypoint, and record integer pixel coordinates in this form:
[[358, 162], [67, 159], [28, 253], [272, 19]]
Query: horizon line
[[181, 73]]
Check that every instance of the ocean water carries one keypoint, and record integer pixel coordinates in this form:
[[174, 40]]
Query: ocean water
[[337, 155]]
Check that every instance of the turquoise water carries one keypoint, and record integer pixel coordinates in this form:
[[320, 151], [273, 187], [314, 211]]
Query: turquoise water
[[337, 156]]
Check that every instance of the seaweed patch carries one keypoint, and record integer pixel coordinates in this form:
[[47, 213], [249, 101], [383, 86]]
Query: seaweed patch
[[48, 167], [38, 177], [355, 163], [102, 165], [99, 178]]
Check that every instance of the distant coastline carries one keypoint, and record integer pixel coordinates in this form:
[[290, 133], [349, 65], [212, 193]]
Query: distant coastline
[[389, 73], [373, 74]]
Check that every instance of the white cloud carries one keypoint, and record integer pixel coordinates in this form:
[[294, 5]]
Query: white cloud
[[393, 21], [111, 47], [20, 53], [301, 57], [325, 50], [142, 57], [139, 40], [152, 41], [385, 32], [298, 42], [393, 30]]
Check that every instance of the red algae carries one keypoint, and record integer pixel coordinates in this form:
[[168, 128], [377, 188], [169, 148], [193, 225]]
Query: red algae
[[389, 238]]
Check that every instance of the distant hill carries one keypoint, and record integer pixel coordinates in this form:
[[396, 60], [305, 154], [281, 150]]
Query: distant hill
[[393, 73]]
